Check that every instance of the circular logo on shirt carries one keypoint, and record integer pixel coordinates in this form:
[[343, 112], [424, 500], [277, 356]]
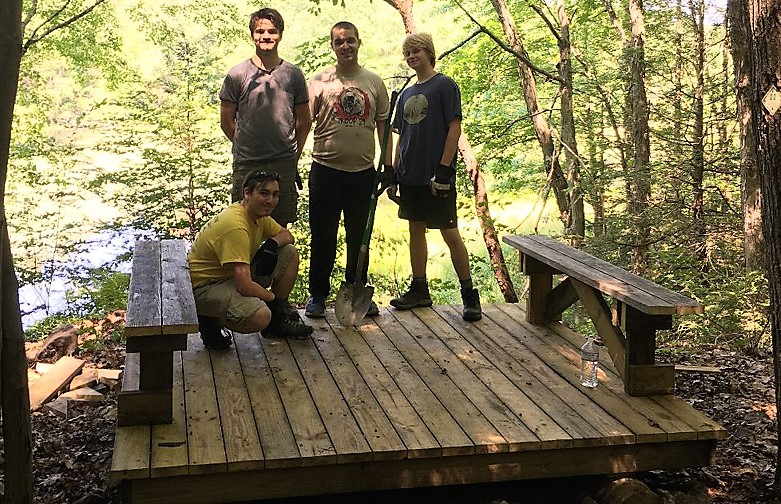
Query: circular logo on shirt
[[415, 109], [352, 105]]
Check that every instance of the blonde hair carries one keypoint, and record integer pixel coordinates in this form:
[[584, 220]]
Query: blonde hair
[[422, 41]]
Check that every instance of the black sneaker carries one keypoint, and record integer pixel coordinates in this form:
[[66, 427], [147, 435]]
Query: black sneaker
[[417, 296], [213, 335], [283, 328], [472, 310]]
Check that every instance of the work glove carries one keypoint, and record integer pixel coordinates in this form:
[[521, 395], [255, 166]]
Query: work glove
[[265, 259], [387, 178], [393, 194], [440, 182]]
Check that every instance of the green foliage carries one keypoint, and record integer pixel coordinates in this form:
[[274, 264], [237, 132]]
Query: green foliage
[[98, 293]]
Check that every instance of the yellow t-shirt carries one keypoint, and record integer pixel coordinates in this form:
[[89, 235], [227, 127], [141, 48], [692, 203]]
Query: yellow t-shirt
[[228, 237]]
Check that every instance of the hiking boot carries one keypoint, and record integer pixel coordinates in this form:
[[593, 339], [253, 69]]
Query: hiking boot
[[472, 310], [213, 334], [315, 307], [280, 327], [373, 310], [415, 297], [291, 314]]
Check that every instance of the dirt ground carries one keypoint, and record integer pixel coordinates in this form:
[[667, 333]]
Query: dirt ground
[[72, 457]]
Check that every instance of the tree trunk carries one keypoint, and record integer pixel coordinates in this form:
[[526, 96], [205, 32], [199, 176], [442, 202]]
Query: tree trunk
[[641, 171], [750, 194], [765, 62], [14, 396], [576, 227], [697, 9], [491, 239], [405, 10], [596, 171], [541, 127]]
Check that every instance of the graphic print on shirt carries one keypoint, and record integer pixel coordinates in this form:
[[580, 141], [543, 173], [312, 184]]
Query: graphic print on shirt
[[415, 109], [352, 106]]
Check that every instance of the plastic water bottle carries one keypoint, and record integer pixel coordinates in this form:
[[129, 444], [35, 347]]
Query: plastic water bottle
[[589, 363]]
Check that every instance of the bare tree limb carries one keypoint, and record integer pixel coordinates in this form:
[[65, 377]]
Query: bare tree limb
[[507, 48]]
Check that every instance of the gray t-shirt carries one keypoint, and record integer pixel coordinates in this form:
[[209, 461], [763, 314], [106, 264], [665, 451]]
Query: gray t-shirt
[[265, 101]]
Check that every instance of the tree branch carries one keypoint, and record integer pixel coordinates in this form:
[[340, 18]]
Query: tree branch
[[33, 39], [507, 48]]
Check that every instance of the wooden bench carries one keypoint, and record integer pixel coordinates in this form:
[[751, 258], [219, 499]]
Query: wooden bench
[[628, 329], [160, 314]]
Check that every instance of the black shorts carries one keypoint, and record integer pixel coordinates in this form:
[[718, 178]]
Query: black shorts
[[418, 204]]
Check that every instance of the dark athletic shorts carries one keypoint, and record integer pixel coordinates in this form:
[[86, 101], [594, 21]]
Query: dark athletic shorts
[[418, 204]]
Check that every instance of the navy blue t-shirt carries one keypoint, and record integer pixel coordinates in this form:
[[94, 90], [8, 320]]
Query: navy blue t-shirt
[[423, 114]]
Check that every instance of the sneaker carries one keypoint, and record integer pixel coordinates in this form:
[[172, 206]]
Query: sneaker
[[416, 296], [315, 307], [373, 310], [472, 310], [282, 328], [213, 335]]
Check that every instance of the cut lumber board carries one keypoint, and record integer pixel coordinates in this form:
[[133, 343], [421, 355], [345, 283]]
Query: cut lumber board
[[84, 394], [87, 378], [58, 406], [55, 378], [109, 376]]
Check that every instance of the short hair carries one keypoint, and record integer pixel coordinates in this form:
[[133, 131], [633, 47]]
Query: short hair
[[256, 177], [272, 15], [345, 25], [421, 41]]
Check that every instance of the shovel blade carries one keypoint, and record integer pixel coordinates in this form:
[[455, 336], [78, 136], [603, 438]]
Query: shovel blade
[[352, 303]]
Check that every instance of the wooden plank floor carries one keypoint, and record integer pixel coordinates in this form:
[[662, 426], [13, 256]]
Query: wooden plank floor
[[408, 399]]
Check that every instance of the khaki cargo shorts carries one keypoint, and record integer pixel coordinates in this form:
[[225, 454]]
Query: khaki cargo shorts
[[286, 209], [221, 299]]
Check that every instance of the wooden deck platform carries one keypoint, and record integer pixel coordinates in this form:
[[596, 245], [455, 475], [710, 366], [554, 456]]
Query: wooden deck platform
[[409, 399]]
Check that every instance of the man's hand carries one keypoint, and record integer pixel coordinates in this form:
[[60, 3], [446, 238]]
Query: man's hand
[[387, 178], [265, 259], [440, 182]]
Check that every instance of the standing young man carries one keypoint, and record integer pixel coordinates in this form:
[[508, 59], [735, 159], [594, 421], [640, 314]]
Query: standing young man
[[428, 121], [243, 266], [349, 105], [264, 112]]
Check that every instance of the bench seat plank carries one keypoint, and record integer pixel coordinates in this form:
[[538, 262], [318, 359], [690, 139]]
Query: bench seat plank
[[178, 313], [144, 303], [627, 287]]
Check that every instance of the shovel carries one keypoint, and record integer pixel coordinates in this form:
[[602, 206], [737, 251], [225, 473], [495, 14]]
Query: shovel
[[353, 299]]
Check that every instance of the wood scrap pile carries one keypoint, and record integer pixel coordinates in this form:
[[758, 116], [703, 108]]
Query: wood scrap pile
[[53, 386]]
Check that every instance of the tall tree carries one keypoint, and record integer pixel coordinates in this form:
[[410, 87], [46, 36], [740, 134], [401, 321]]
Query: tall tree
[[750, 193], [576, 227], [697, 162], [764, 64], [14, 396], [641, 169]]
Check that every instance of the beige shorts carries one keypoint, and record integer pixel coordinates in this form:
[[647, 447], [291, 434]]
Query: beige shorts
[[221, 299], [286, 209]]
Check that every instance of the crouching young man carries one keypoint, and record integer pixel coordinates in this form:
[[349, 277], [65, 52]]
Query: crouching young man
[[243, 266]]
